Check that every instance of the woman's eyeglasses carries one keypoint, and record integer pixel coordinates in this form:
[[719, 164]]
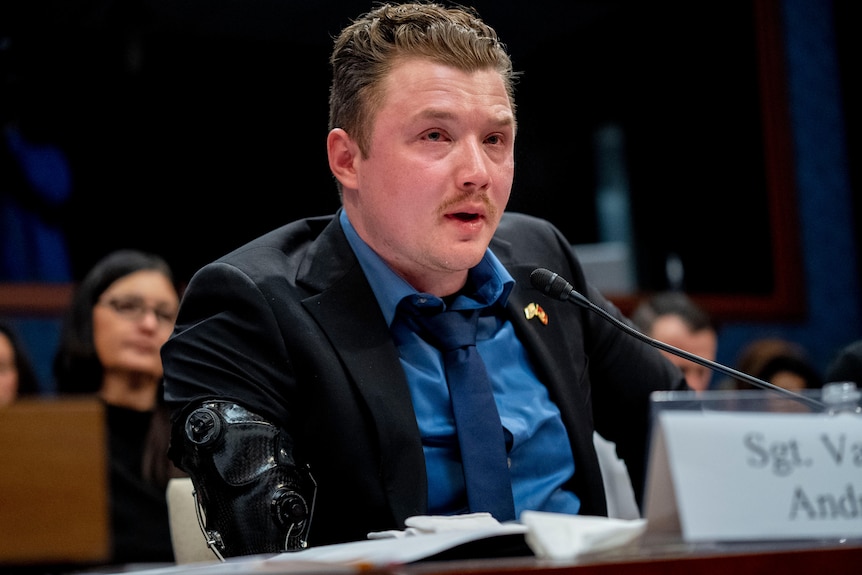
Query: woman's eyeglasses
[[135, 308]]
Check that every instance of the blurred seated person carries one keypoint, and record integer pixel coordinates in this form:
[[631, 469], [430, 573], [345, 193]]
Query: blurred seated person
[[120, 315], [846, 365], [672, 317], [778, 361], [17, 376]]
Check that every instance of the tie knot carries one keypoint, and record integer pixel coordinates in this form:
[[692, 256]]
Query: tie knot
[[445, 330]]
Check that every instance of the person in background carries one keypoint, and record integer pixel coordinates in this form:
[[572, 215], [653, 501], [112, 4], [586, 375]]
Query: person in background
[[672, 317], [306, 342], [846, 365], [120, 315], [17, 376], [777, 361]]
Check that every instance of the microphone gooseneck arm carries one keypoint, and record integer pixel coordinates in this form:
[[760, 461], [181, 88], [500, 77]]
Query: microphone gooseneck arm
[[553, 285]]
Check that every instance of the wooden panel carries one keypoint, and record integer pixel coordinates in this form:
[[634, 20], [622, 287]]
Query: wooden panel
[[53, 482], [35, 298]]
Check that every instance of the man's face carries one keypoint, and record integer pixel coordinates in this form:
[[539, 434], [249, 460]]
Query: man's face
[[430, 194], [704, 343]]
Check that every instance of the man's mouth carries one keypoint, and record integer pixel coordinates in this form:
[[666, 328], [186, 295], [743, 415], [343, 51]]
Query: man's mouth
[[465, 217]]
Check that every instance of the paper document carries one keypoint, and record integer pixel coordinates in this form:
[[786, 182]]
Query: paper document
[[389, 551], [545, 535]]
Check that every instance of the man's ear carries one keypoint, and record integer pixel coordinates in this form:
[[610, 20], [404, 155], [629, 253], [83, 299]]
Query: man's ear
[[343, 154]]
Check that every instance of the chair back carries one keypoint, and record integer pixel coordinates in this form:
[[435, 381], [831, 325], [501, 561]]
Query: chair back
[[189, 543]]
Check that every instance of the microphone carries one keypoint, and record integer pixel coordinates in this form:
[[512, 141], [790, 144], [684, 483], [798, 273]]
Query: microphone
[[555, 286]]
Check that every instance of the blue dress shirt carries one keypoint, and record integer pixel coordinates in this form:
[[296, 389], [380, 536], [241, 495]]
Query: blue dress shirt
[[540, 457]]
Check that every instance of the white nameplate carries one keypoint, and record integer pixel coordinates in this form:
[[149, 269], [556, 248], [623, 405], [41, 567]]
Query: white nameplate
[[754, 476]]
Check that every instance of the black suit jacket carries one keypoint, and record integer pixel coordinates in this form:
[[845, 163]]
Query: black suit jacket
[[288, 327]]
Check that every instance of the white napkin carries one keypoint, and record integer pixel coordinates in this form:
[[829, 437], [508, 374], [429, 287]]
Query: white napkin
[[563, 536], [549, 535]]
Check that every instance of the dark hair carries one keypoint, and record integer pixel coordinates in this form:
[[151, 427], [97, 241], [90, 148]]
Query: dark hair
[[846, 365], [792, 364], [28, 383], [366, 50], [765, 357], [77, 368], [671, 303]]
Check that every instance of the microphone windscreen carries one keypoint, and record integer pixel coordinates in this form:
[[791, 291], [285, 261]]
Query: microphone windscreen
[[550, 283]]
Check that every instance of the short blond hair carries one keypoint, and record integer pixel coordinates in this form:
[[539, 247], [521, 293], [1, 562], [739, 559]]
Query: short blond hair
[[367, 49]]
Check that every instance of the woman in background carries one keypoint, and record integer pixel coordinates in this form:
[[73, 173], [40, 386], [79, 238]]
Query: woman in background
[[121, 314]]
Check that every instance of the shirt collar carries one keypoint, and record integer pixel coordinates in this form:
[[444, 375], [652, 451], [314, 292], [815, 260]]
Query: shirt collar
[[493, 282]]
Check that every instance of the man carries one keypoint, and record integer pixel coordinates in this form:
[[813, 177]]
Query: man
[[675, 319], [309, 409]]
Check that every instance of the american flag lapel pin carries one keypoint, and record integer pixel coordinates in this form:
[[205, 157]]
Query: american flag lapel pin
[[535, 310]]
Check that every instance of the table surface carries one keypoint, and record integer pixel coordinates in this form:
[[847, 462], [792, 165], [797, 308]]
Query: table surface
[[827, 557], [646, 557]]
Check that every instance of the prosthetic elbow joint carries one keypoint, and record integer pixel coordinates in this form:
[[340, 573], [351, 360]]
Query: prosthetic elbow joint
[[252, 495]]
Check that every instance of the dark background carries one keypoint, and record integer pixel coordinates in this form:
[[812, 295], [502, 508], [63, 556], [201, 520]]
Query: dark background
[[193, 126]]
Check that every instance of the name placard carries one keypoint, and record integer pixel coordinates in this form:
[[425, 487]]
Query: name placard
[[731, 476]]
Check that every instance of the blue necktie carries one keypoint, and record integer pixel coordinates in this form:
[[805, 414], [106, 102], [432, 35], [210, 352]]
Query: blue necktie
[[480, 432]]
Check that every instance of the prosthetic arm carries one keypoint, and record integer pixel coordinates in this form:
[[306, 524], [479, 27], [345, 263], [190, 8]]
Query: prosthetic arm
[[252, 496]]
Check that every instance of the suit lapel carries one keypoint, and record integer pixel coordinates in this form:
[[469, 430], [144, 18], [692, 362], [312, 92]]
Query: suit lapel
[[549, 345], [347, 311]]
